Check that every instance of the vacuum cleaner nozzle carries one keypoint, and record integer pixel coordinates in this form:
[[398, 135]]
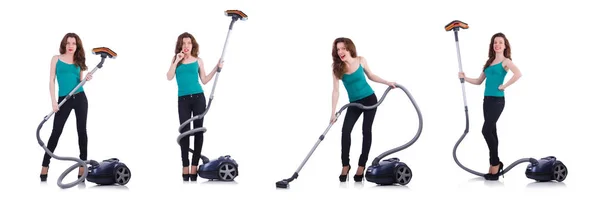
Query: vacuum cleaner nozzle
[[285, 183], [456, 24], [282, 184], [237, 14], [104, 51]]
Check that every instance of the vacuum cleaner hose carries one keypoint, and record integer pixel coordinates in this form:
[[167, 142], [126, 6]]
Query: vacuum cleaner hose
[[414, 139], [196, 130], [397, 149], [505, 170], [79, 162]]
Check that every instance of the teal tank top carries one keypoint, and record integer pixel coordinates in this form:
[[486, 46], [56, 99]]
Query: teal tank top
[[67, 76], [187, 76], [494, 78], [356, 85]]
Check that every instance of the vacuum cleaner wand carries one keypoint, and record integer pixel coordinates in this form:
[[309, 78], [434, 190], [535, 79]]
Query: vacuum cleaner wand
[[103, 52], [235, 16], [285, 182], [455, 26]]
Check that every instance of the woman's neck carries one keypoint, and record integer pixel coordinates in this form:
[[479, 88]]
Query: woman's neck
[[500, 56], [68, 56], [350, 61]]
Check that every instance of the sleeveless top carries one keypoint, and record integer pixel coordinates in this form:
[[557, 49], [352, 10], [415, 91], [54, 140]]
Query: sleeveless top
[[494, 78], [187, 76], [356, 85], [67, 76]]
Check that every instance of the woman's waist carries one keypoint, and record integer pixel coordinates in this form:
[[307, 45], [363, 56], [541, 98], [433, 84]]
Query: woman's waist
[[191, 96]]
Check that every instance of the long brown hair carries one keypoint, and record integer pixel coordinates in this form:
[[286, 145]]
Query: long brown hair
[[492, 53], [179, 45], [339, 67], [79, 55]]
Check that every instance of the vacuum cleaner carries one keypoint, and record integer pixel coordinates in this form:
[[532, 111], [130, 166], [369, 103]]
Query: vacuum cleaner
[[107, 172], [386, 172], [223, 168], [543, 170]]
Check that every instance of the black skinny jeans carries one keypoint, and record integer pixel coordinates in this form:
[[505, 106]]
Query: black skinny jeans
[[189, 106], [79, 103], [492, 109], [351, 117]]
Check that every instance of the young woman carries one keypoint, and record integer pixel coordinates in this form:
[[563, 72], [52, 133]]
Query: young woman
[[351, 70], [186, 66], [495, 69], [68, 68]]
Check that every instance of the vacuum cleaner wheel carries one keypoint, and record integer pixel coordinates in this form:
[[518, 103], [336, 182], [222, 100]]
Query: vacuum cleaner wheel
[[403, 175], [559, 171], [122, 174], [227, 171]]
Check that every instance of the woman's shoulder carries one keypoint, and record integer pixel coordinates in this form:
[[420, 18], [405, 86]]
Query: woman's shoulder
[[506, 62], [55, 59], [196, 60], [362, 59]]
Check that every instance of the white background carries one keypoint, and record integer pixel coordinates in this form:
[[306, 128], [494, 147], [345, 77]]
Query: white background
[[273, 98]]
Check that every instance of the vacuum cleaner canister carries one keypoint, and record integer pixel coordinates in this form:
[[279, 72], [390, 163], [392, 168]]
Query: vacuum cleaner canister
[[108, 172]]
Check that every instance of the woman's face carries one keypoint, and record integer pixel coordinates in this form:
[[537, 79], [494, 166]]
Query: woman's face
[[499, 45], [71, 45], [342, 51], [186, 47]]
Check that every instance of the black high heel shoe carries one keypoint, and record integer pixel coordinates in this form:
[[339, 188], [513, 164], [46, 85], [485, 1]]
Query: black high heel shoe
[[497, 175], [79, 175], [194, 177], [344, 177], [359, 178], [186, 177], [43, 177]]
